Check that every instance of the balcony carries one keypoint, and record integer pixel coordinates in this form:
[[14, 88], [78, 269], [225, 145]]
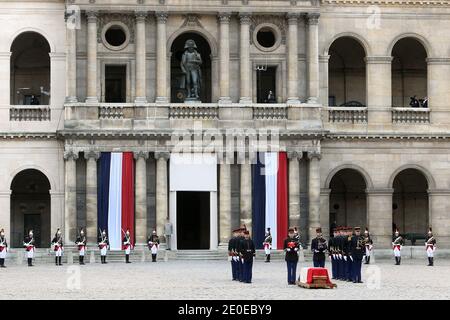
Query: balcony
[[352, 115], [410, 115], [29, 113]]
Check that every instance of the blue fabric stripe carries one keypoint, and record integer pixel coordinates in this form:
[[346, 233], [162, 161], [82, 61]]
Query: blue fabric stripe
[[258, 202], [103, 190]]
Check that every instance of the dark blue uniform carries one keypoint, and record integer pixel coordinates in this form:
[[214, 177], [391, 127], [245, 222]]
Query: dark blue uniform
[[232, 254], [247, 251], [318, 247], [332, 255], [291, 246], [357, 251], [348, 262]]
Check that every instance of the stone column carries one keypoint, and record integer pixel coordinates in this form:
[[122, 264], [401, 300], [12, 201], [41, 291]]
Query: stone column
[[141, 197], [161, 191], [140, 58], [71, 63], [312, 20], [5, 214], [91, 90], [379, 90], [5, 82], [246, 195], [325, 211], [439, 216], [224, 57], [314, 193], [294, 188], [224, 204], [161, 57], [438, 70], [292, 59], [91, 196], [323, 91], [379, 208], [70, 197], [244, 47]]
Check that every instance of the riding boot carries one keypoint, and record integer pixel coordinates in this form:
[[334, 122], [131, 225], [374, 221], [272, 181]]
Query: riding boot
[[82, 260], [30, 262], [368, 260], [153, 257], [399, 260], [59, 260], [2, 263], [101, 258], [268, 257], [104, 259], [432, 261], [56, 261], [127, 258], [396, 261]]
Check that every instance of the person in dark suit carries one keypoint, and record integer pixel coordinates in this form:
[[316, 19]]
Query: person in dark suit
[[291, 247], [247, 251], [357, 251], [318, 247]]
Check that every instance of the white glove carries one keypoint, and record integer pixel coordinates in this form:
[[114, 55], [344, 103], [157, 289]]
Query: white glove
[[345, 258]]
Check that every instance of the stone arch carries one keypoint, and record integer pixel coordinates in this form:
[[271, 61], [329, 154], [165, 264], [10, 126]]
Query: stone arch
[[355, 167], [360, 39], [35, 167], [32, 29], [421, 39], [202, 32], [430, 180]]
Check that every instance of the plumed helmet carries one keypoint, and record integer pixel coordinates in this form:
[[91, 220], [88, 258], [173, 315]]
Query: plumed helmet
[[190, 44]]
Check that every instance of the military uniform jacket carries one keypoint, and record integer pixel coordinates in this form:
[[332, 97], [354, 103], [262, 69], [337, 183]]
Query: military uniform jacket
[[29, 241], [400, 240], [357, 247], [318, 247], [105, 242], [81, 241], [3, 244], [331, 249], [428, 242], [247, 249], [57, 241], [232, 246], [290, 244]]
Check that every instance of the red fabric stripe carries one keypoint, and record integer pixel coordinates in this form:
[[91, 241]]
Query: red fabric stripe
[[282, 199], [128, 194]]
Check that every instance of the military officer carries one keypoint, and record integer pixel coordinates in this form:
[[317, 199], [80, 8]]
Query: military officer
[[430, 247], [233, 254], [153, 245], [3, 248], [318, 247], [103, 244], [28, 244], [247, 251], [397, 244], [81, 244], [127, 246], [332, 252], [57, 244], [291, 247], [368, 243], [267, 244], [357, 251]]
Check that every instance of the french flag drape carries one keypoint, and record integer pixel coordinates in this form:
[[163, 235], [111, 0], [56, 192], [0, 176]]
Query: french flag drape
[[270, 199], [116, 196]]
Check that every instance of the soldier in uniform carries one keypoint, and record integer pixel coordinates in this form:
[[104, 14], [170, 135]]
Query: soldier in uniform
[[348, 260], [247, 251], [28, 244], [397, 244], [240, 265], [3, 248], [357, 250], [153, 245], [332, 252], [430, 247], [127, 246], [318, 247], [368, 243], [103, 244], [267, 244], [81, 243], [291, 247], [57, 244], [232, 254]]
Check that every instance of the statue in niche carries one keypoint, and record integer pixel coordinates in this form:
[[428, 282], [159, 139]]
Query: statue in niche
[[190, 65]]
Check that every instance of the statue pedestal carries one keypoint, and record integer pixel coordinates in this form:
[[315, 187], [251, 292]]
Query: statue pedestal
[[192, 100]]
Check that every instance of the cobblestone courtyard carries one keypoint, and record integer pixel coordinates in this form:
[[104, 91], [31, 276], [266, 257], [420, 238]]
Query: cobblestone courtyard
[[211, 280]]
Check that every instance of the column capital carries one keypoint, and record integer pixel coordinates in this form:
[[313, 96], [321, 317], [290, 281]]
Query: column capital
[[140, 154], [314, 155], [140, 15], [245, 17], [294, 155], [378, 59], [91, 16], [161, 16], [162, 155], [70, 155], [292, 17], [312, 18], [380, 191], [224, 17], [91, 154]]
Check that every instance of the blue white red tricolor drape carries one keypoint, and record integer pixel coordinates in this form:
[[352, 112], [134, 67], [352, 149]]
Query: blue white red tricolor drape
[[270, 198], [116, 196]]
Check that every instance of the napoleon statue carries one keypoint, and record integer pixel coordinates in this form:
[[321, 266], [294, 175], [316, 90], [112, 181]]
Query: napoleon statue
[[190, 65]]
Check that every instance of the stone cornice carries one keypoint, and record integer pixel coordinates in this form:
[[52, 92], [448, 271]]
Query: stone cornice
[[28, 135], [388, 136], [427, 3]]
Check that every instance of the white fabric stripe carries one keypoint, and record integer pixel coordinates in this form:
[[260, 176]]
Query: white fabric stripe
[[271, 169], [115, 202]]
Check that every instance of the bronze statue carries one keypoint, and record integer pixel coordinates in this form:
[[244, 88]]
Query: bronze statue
[[190, 65]]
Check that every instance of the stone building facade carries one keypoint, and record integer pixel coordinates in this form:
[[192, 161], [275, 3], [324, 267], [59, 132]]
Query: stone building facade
[[81, 77]]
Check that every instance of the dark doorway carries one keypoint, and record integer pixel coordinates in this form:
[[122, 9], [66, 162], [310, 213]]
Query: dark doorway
[[177, 90], [266, 82], [115, 83], [193, 220], [30, 208]]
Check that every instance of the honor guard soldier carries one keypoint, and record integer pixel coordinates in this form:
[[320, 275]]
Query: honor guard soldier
[[291, 247], [368, 243], [332, 252], [28, 244], [81, 244], [57, 244], [318, 247], [430, 247], [103, 244], [127, 246], [247, 252], [267, 244], [347, 256], [397, 244], [340, 253], [3, 248], [232, 253], [240, 262], [153, 245], [357, 250]]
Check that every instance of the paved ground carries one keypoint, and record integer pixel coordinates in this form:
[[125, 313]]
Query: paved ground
[[211, 280]]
